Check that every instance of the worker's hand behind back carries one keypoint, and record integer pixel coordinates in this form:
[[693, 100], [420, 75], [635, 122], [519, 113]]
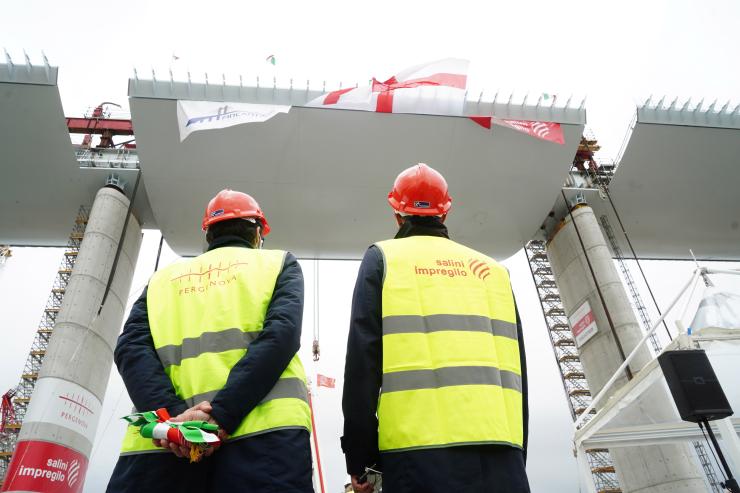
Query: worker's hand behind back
[[199, 412], [364, 487]]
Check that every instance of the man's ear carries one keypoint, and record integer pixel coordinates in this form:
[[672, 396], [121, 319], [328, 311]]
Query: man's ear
[[258, 240]]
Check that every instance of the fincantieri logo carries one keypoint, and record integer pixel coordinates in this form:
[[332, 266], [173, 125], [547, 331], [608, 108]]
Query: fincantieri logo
[[223, 113]]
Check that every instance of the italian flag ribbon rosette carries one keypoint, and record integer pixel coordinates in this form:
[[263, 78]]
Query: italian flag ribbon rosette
[[199, 435]]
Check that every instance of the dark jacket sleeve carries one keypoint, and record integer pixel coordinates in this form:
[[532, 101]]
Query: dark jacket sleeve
[[256, 373], [525, 392], [363, 367], [148, 385]]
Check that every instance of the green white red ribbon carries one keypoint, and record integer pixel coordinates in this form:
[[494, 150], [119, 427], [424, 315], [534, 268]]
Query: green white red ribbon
[[199, 435]]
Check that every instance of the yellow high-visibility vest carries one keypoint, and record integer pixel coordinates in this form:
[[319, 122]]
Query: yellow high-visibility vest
[[203, 314], [451, 368]]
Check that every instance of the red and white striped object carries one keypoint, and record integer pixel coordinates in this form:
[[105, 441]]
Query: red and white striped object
[[435, 88], [549, 131], [163, 431], [324, 381]]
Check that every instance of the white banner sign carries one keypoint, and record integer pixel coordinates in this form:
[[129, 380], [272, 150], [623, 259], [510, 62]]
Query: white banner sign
[[583, 324], [205, 115], [63, 403]]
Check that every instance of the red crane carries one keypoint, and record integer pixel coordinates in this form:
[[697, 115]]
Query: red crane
[[6, 408], [99, 124]]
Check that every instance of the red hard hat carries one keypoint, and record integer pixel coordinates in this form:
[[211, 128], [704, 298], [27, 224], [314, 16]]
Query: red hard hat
[[230, 204], [420, 191]]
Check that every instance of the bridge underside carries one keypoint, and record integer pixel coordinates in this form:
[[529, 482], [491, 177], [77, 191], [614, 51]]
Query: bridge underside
[[42, 184], [676, 185], [322, 176]]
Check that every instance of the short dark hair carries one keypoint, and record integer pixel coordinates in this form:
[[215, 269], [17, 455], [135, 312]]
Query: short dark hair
[[247, 230]]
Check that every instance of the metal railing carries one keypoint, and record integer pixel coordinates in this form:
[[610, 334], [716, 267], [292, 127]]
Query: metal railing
[[114, 158]]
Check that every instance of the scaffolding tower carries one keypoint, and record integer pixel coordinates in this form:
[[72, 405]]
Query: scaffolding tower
[[16, 400], [567, 358]]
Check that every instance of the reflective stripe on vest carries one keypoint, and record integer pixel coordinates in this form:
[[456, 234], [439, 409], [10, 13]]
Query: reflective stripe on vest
[[451, 368], [203, 315]]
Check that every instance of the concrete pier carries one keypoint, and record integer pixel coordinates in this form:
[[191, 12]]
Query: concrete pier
[[651, 469], [56, 439]]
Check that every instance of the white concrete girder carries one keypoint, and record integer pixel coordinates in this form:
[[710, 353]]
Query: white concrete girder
[[322, 176]]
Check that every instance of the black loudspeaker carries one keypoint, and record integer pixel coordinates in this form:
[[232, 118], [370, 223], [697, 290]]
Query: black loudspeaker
[[695, 388]]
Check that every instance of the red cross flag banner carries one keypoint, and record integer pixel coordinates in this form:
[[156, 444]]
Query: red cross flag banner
[[324, 381], [549, 131], [434, 88]]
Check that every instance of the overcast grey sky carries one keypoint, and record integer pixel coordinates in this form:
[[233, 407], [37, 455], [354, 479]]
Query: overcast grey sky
[[615, 53]]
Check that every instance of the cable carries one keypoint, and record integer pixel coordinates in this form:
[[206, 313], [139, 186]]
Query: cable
[[96, 447], [119, 249], [637, 261], [315, 349], [598, 289], [605, 187], [159, 251], [714, 454], [731, 483]]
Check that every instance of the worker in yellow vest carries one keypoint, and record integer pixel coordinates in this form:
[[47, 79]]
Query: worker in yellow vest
[[215, 338], [435, 389]]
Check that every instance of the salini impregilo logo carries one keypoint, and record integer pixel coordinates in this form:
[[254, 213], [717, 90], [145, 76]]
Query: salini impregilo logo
[[455, 268], [479, 268], [74, 473]]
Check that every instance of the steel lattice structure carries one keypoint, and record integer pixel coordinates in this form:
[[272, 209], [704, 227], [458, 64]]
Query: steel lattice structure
[[599, 175], [567, 358], [24, 390], [647, 324]]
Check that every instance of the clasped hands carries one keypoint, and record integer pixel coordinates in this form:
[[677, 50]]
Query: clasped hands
[[199, 412]]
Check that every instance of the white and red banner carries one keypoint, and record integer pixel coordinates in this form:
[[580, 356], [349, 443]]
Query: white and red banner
[[549, 131], [47, 467], [435, 88], [583, 324], [193, 116], [324, 381]]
